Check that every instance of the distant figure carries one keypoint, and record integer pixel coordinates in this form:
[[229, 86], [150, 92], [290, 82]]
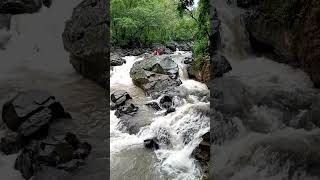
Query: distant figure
[[158, 52]]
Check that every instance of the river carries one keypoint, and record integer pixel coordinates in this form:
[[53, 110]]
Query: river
[[35, 58], [258, 143], [129, 158]]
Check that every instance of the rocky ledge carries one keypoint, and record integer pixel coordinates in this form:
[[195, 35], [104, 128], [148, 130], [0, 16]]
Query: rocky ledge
[[28, 118], [287, 30], [86, 38]]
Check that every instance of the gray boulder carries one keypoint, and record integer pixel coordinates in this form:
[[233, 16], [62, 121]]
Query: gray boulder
[[86, 38], [155, 74]]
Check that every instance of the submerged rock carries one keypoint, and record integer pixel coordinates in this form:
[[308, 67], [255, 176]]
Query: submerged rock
[[166, 101]]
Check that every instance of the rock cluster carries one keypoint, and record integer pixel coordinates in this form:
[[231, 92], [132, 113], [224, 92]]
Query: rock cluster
[[28, 117]]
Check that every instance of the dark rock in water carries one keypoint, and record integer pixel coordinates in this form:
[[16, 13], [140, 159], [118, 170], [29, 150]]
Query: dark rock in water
[[116, 60], [128, 109], [155, 74], [37, 125], [151, 144], [166, 101], [154, 105], [67, 154], [82, 151], [188, 60], [170, 110], [50, 173], [120, 98], [172, 46], [20, 6], [85, 38], [11, 143], [26, 161], [23, 106], [30, 113], [202, 152], [72, 140], [220, 66], [47, 3], [127, 124]]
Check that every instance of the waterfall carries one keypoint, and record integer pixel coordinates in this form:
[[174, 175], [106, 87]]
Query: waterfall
[[253, 133]]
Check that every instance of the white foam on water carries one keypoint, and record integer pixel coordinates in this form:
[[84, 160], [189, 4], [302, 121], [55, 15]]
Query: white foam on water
[[174, 161]]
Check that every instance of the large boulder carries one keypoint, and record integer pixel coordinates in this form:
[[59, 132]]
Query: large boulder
[[86, 38], [31, 109], [287, 30], [116, 60], [22, 6], [156, 74]]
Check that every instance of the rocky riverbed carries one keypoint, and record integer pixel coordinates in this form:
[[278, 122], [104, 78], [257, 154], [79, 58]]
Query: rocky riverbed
[[160, 123]]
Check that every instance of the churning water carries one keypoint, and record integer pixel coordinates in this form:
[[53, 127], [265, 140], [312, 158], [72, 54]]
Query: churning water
[[129, 158], [257, 143]]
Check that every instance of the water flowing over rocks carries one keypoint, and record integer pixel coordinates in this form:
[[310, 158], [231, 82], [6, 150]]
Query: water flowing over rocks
[[288, 31], [86, 39]]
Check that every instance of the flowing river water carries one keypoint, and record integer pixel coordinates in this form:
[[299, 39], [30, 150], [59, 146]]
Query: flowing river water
[[129, 158], [257, 142], [34, 58]]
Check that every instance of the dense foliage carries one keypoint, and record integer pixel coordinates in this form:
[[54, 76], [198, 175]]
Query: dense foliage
[[143, 22]]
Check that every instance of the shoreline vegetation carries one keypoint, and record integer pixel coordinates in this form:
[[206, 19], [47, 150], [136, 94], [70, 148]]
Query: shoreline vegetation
[[146, 26]]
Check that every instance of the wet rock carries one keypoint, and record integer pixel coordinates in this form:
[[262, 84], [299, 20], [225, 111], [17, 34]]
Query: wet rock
[[67, 154], [155, 74], [170, 110], [128, 109], [202, 152], [85, 38], [166, 102], [30, 113], [119, 98], [116, 60], [36, 126], [154, 105], [151, 144], [19, 6], [220, 66], [82, 151], [23, 106], [188, 60], [11, 143], [26, 161], [72, 140]]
